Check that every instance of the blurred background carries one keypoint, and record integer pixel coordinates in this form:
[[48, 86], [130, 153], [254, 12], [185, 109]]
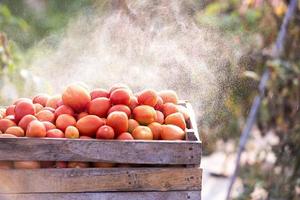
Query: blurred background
[[233, 39]]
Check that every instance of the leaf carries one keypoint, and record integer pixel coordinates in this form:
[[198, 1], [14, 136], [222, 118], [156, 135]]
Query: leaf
[[252, 75], [215, 8], [5, 12]]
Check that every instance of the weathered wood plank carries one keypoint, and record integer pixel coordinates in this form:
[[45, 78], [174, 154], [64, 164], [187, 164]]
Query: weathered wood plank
[[174, 195], [96, 179], [139, 152], [190, 135], [193, 122], [192, 129]]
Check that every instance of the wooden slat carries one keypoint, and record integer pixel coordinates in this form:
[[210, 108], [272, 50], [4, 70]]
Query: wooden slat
[[193, 122], [190, 135], [139, 152], [192, 129], [97, 179], [174, 195]]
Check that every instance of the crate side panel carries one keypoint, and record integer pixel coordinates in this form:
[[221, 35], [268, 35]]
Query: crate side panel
[[97, 179], [135, 152]]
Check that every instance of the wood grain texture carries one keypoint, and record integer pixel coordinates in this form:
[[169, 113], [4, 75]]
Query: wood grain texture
[[97, 179], [173, 195], [193, 122], [139, 152], [192, 133]]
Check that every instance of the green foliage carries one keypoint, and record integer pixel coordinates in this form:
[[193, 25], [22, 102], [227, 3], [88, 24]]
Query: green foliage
[[279, 111], [226, 16], [38, 20], [7, 20], [25, 23], [9, 53]]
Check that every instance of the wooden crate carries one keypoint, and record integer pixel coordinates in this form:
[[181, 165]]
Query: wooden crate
[[162, 169]]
